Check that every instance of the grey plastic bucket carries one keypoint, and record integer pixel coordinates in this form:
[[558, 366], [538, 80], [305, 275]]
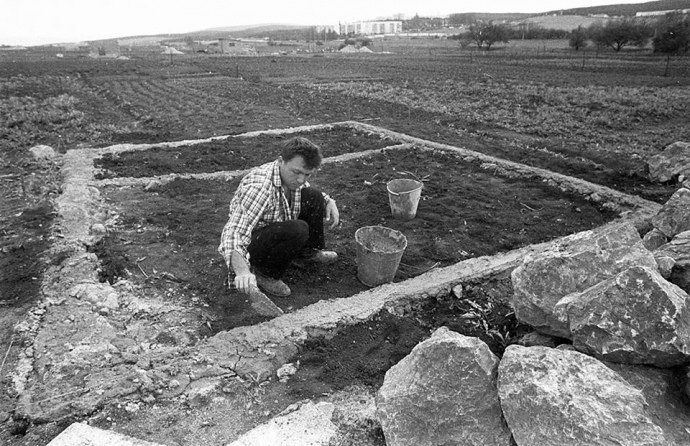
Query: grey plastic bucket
[[379, 250], [403, 196]]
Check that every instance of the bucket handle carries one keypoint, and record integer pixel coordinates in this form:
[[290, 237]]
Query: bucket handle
[[397, 194]]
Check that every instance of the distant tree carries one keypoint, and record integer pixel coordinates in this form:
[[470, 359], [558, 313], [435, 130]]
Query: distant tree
[[526, 31], [672, 36], [366, 41], [578, 38], [357, 42], [620, 33], [487, 34]]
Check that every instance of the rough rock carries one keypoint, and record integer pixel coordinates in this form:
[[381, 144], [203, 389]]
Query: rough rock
[[43, 152], [355, 415], [680, 276], [674, 216], [653, 239], [535, 338], [636, 317], [201, 392], [672, 162], [665, 265], [98, 229], [678, 268], [542, 280], [307, 425], [661, 390], [81, 434], [560, 397], [99, 294], [153, 185], [453, 402]]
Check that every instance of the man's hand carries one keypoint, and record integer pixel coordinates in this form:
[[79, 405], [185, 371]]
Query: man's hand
[[244, 282], [332, 213], [244, 279]]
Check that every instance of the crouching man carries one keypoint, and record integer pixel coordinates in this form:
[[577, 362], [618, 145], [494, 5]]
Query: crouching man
[[277, 217]]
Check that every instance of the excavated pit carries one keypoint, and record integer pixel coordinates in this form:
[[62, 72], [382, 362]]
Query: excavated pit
[[164, 234]]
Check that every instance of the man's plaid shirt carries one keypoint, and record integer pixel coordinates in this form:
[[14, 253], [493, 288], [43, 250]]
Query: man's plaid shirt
[[258, 201]]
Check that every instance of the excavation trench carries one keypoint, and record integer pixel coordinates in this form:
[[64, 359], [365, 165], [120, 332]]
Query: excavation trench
[[153, 240]]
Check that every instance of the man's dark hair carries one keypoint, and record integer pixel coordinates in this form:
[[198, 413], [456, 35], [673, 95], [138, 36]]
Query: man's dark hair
[[300, 146]]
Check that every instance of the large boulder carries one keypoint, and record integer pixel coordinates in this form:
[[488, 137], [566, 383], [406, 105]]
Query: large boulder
[[443, 392], [673, 162], [542, 280], [674, 216], [636, 317], [553, 397]]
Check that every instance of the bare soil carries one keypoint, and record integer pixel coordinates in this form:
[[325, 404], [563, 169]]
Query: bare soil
[[167, 237], [229, 154]]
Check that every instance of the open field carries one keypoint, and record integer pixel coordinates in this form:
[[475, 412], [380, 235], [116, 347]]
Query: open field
[[593, 116]]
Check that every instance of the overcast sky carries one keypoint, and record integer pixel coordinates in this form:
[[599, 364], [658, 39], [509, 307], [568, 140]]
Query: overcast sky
[[33, 22]]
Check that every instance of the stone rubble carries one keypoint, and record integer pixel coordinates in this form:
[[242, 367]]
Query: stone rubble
[[601, 306]]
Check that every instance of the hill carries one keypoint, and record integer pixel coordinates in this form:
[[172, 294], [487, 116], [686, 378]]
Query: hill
[[468, 18], [563, 22], [243, 31], [625, 9]]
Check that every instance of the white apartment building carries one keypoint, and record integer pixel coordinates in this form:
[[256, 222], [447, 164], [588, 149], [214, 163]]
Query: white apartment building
[[371, 27]]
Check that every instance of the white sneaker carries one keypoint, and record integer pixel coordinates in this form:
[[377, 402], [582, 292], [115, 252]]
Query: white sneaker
[[323, 257]]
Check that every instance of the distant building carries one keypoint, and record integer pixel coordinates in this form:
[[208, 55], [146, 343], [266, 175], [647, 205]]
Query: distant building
[[245, 47], [371, 27], [105, 48], [321, 29]]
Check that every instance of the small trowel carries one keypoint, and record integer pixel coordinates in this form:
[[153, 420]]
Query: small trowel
[[262, 304]]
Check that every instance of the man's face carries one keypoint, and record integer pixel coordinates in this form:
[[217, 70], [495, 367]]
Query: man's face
[[294, 173]]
